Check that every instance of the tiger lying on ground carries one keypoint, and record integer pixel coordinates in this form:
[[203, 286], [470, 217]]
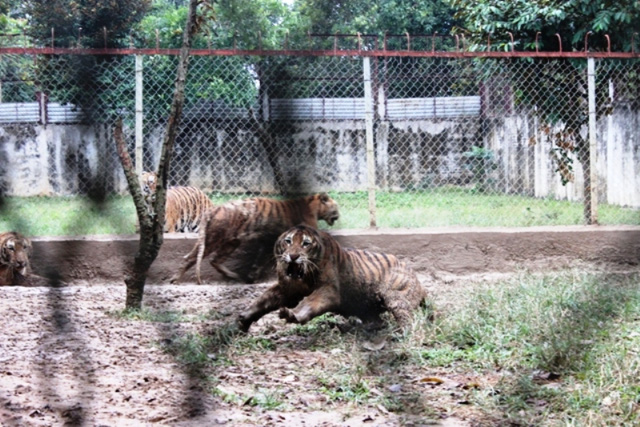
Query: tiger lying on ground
[[15, 250], [252, 223], [184, 207], [316, 275]]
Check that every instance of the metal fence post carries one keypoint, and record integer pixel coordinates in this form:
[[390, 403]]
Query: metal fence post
[[139, 114], [593, 148], [368, 118]]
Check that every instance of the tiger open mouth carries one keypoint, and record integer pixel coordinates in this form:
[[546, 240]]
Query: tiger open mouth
[[295, 270], [333, 218]]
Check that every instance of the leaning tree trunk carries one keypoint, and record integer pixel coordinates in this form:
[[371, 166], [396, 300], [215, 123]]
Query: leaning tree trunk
[[152, 225]]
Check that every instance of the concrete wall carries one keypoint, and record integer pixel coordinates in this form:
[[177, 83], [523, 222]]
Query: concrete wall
[[311, 156], [525, 160], [324, 155], [57, 159]]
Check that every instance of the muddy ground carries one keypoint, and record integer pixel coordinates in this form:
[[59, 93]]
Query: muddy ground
[[67, 357]]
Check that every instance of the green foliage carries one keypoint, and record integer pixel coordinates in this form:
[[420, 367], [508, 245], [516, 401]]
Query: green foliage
[[101, 86], [83, 23], [12, 19], [539, 323], [371, 17], [168, 20], [348, 384], [570, 19], [192, 350], [266, 399], [252, 23], [247, 23]]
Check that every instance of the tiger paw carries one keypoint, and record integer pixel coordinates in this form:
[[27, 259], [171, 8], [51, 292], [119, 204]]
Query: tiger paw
[[288, 315], [243, 322]]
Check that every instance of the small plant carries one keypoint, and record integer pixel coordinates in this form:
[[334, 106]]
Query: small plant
[[192, 350], [226, 396], [345, 388], [480, 161], [266, 399]]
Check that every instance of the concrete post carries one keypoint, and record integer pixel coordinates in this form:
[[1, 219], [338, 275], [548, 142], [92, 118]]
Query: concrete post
[[593, 148], [368, 117]]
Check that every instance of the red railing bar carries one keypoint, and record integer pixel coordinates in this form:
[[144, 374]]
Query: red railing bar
[[308, 52]]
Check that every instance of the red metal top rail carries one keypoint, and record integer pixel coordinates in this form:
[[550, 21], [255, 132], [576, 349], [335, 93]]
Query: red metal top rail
[[303, 52], [336, 51]]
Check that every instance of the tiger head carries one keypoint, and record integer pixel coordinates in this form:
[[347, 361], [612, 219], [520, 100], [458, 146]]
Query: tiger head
[[15, 250], [298, 251], [325, 207], [148, 183]]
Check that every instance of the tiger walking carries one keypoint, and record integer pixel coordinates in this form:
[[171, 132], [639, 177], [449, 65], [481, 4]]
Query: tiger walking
[[252, 225], [185, 206]]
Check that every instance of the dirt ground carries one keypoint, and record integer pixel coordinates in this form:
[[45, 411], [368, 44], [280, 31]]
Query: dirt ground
[[68, 358]]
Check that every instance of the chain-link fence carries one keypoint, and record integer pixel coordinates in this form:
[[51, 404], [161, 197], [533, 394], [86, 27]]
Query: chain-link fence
[[399, 140]]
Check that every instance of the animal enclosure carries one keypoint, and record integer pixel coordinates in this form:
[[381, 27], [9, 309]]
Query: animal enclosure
[[417, 125]]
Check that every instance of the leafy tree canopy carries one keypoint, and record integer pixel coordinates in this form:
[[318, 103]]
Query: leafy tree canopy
[[572, 20], [374, 17], [248, 23], [84, 20], [12, 19]]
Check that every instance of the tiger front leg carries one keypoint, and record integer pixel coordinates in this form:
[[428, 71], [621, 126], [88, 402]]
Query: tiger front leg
[[270, 300], [320, 301]]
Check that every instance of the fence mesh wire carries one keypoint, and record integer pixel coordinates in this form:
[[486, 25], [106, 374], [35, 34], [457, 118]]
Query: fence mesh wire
[[467, 141]]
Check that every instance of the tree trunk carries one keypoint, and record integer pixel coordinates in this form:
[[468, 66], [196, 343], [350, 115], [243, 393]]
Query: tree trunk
[[584, 159], [152, 225]]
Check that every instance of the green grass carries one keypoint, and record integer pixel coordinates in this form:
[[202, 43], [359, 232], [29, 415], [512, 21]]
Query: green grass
[[581, 330], [55, 216]]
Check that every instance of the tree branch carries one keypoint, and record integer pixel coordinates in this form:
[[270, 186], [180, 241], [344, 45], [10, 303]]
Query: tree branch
[[130, 174]]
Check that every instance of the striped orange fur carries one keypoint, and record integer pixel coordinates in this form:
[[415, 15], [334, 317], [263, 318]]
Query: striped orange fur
[[316, 275], [255, 222], [185, 206]]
